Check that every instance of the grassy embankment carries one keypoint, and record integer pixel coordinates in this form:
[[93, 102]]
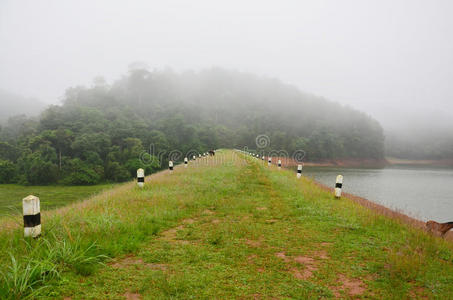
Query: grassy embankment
[[239, 230], [11, 195]]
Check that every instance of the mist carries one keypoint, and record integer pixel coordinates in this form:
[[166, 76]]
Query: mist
[[390, 59]]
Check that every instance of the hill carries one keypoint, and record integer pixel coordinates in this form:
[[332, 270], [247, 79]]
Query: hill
[[99, 133], [227, 227]]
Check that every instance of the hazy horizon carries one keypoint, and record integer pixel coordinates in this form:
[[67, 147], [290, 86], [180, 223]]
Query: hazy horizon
[[392, 60]]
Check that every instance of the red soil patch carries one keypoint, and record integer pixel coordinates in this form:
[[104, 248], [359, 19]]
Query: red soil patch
[[282, 256], [271, 221], [304, 275], [188, 221], [352, 286], [171, 233], [418, 293], [309, 267], [208, 212], [254, 244], [251, 258], [322, 254], [304, 260], [132, 296], [307, 262]]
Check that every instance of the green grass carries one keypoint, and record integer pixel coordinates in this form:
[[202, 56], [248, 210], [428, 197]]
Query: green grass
[[230, 231], [11, 195]]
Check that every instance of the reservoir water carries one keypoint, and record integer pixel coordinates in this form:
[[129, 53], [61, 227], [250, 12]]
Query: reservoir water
[[422, 193]]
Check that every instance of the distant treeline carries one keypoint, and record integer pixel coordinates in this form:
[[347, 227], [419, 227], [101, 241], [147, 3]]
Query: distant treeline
[[420, 144], [98, 133]]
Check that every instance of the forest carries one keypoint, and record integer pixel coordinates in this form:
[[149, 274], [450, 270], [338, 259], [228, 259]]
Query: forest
[[99, 133]]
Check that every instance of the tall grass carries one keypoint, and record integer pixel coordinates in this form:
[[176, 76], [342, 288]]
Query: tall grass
[[40, 262]]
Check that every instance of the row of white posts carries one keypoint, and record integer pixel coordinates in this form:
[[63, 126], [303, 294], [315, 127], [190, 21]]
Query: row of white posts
[[141, 172], [32, 211], [338, 182]]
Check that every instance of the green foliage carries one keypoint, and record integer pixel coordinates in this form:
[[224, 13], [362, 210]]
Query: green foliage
[[8, 171], [101, 133], [116, 172], [80, 173]]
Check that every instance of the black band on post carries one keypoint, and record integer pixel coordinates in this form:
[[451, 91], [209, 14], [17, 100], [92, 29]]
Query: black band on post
[[338, 185], [141, 179], [32, 220]]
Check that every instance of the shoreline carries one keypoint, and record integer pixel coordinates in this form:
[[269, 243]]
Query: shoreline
[[378, 208], [346, 163], [365, 163], [381, 209]]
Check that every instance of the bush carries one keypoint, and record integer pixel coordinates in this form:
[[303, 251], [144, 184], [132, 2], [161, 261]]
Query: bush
[[8, 171], [42, 172], [81, 173], [117, 172]]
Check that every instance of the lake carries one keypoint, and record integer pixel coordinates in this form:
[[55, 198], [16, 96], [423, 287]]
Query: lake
[[422, 193]]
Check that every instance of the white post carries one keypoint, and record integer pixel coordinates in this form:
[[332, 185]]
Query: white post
[[299, 171], [269, 161], [262, 157], [338, 186], [32, 216], [199, 155], [279, 163], [140, 177], [194, 157], [186, 161], [170, 166]]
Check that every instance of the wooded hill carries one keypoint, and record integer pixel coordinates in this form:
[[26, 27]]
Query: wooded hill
[[99, 132]]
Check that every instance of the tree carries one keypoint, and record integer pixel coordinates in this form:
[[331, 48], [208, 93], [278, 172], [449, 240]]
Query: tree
[[8, 171], [80, 173]]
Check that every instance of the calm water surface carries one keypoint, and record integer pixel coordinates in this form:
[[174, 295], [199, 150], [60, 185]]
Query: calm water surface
[[423, 193]]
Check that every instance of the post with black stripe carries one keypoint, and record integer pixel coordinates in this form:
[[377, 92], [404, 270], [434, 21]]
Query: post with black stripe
[[186, 161], [269, 161], [170, 166], [32, 216], [299, 171], [140, 177], [279, 163], [338, 186]]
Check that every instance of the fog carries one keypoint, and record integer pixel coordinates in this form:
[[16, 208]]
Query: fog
[[391, 59]]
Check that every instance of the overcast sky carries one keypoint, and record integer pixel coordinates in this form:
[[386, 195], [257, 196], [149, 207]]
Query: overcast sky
[[392, 59]]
